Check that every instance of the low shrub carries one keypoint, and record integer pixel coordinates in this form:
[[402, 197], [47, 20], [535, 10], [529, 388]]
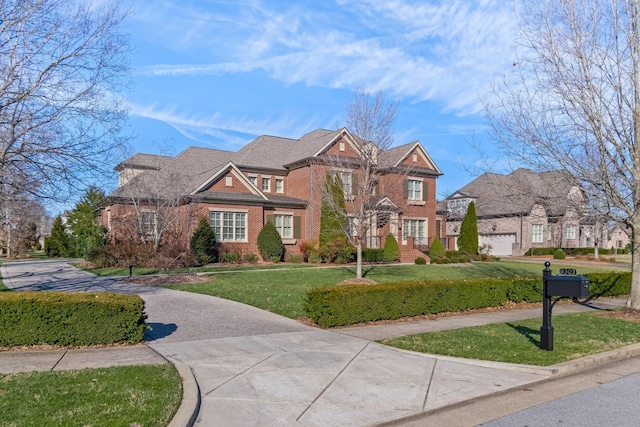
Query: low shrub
[[420, 261], [122, 254], [559, 254], [372, 254], [251, 258], [230, 257], [337, 251], [70, 319], [275, 259], [294, 259]]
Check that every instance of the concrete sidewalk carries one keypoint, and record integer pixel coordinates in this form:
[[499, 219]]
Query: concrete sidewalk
[[318, 377]]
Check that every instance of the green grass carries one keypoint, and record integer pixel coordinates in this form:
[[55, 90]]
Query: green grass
[[575, 335], [146, 395], [282, 291]]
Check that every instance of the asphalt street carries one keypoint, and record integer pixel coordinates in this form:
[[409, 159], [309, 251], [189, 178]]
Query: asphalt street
[[612, 404]]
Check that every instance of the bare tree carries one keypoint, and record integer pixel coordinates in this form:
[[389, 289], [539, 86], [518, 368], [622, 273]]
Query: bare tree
[[62, 65], [369, 118], [572, 102]]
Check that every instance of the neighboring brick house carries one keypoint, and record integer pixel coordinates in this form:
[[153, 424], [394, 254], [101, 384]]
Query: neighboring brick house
[[522, 210], [273, 179]]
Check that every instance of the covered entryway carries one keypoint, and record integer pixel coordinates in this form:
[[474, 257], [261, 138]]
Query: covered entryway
[[500, 244]]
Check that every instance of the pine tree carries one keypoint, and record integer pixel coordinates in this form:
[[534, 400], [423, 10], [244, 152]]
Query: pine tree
[[203, 242], [332, 212], [468, 240]]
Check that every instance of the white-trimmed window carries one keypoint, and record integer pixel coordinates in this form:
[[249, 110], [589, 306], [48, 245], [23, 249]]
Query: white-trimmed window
[[351, 226], [229, 226], [266, 184], [148, 222], [345, 177], [414, 189], [284, 225], [254, 180], [414, 228], [537, 232], [570, 232], [279, 185]]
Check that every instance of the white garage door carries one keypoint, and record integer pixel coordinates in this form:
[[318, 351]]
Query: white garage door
[[500, 243]]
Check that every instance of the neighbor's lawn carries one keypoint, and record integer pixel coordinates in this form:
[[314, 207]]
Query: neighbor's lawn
[[146, 395], [282, 291], [575, 335]]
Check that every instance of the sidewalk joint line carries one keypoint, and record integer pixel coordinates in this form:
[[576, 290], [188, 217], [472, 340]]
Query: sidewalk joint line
[[332, 381], [59, 360], [426, 395]]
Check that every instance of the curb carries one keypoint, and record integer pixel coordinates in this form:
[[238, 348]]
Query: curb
[[187, 413], [595, 360], [557, 371]]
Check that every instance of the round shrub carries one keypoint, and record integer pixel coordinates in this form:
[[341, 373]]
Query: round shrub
[[270, 243], [559, 254], [420, 261]]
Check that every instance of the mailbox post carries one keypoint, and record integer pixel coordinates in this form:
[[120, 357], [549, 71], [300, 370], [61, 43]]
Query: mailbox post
[[546, 331], [564, 286]]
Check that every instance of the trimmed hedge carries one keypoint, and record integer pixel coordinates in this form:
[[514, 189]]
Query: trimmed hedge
[[350, 304], [70, 319]]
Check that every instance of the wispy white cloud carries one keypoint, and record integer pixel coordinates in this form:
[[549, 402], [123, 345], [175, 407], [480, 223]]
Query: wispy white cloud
[[443, 50], [222, 132]]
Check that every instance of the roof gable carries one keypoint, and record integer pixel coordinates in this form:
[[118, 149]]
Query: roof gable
[[232, 169]]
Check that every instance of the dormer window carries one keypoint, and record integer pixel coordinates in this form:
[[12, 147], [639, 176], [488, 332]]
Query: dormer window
[[458, 206]]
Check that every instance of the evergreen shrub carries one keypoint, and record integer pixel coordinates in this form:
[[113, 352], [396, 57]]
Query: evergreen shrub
[[420, 261], [70, 319], [559, 254], [203, 242], [391, 249], [350, 304], [436, 250], [270, 243], [372, 255]]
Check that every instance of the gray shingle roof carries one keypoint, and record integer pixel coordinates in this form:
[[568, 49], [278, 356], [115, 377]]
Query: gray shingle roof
[[144, 161], [272, 152], [516, 193]]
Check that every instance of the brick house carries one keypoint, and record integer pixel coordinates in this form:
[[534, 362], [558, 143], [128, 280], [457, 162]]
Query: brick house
[[523, 210], [272, 179]]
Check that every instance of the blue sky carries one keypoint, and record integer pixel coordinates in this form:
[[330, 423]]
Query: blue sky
[[220, 73]]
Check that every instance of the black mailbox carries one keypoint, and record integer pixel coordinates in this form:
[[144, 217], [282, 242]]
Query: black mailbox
[[568, 286]]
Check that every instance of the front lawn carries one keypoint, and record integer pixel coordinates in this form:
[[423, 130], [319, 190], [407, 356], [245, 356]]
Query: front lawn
[[575, 336], [147, 395], [282, 291]]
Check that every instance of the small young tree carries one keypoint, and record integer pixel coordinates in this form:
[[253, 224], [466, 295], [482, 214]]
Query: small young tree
[[468, 240], [270, 243], [59, 243], [203, 242], [391, 249]]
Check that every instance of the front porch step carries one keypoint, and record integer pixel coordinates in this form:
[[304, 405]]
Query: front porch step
[[410, 255]]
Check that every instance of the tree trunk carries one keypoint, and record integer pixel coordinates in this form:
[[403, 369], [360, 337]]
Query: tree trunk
[[634, 295], [359, 259]]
